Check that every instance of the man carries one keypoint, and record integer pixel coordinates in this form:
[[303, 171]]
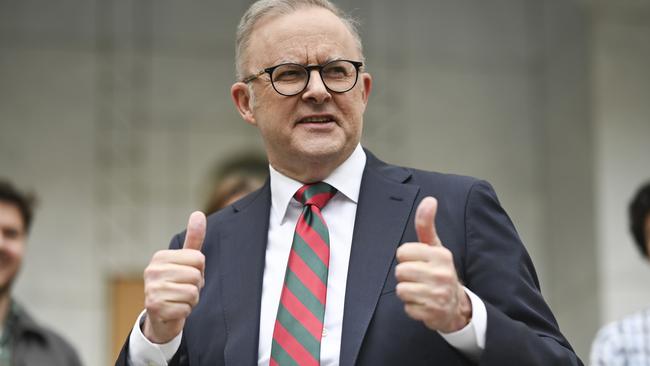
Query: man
[[23, 342], [352, 270], [627, 341]]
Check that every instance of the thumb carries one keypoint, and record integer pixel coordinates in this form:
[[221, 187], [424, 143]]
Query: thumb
[[425, 217], [195, 231]]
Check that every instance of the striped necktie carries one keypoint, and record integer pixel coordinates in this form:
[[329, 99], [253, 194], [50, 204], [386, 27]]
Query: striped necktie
[[299, 323]]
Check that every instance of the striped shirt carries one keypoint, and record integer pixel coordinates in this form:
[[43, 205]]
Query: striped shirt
[[624, 342]]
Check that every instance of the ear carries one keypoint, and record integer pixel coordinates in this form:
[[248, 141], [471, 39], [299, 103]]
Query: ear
[[241, 96], [366, 82]]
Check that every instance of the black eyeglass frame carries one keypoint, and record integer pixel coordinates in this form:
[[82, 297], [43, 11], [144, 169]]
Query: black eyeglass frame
[[308, 68]]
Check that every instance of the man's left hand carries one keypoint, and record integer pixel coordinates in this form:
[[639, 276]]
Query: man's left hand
[[427, 280]]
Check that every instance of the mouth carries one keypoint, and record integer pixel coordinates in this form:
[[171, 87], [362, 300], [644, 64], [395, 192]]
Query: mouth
[[321, 119]]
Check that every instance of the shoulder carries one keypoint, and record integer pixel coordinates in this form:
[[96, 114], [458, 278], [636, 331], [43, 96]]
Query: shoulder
[[59, 345], [447, 181], [430, 182], [43, 341], [629, 325], [618, 340]]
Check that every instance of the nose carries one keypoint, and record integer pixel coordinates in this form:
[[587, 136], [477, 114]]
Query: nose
[[316, 92]]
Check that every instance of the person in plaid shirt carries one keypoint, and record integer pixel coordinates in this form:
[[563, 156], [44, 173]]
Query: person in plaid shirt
[[627, 341]]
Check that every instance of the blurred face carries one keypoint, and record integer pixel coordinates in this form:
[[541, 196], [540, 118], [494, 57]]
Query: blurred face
[[12, 244], [316, 128]]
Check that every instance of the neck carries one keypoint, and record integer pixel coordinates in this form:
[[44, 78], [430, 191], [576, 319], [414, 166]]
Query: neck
[[309, 170], [308, 173]]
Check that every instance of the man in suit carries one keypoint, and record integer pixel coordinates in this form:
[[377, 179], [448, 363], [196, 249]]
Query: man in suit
[[340, 259]]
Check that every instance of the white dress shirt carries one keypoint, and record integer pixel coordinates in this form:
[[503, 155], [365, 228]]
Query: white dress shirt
[[339, 214]]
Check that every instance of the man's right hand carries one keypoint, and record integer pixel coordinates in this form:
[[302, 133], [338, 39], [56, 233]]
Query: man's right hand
[[172, 282]]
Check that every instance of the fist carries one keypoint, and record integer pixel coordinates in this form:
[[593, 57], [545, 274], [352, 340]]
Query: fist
[[426, 277], [172, 282]]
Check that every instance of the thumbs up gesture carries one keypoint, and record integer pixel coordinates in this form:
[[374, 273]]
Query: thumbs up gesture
[[172, 282], [427, 280]]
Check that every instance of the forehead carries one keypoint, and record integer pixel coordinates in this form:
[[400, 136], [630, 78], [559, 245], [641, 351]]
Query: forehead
[[10, 215], [308, 35]]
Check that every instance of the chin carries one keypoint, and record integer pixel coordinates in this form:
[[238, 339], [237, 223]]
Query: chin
[[326, 150]]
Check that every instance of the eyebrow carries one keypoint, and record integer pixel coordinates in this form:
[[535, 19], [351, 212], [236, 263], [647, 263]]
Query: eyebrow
[[284, 61], [330, 59], [288, 61]]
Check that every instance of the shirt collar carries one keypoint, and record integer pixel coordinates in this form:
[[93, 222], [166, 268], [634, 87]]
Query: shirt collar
[[21, 325], [346, 178]]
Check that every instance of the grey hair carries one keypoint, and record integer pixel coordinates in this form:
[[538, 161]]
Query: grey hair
[[263, 8]]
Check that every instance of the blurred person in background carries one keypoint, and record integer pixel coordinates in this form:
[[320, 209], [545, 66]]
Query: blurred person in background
[[23, 342], [236, 177], [627, 341]]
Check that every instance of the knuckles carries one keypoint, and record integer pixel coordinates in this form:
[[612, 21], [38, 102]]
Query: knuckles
[[173, 281], [425, 272], [160, 304], [153, 305], [427, 283], [399, 290], [152, 272], [443, 296], [423, 252], [194, 294], [445, 276]]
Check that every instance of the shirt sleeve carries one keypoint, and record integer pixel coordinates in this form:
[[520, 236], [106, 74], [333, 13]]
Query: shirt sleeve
[[143, 352], [470, 340]]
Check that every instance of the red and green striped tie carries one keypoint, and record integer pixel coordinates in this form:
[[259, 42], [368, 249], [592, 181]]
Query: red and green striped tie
[[299, 324]]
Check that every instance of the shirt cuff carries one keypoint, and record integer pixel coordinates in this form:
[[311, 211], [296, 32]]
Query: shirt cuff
[[143, 352], [470, 340]]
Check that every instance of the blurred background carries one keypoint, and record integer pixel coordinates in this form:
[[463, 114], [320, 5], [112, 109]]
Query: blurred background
[[116, 111]]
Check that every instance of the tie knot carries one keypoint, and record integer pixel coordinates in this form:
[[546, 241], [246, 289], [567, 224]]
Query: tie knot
[[317, 194]]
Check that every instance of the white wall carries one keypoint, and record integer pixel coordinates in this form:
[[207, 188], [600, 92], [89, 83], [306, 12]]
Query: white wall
[[567, 171], [622, 119]]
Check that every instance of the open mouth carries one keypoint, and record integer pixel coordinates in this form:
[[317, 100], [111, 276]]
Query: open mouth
[[316, 120]]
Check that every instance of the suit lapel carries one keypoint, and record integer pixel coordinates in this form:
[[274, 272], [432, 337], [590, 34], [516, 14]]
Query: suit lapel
[[382, 214], [242, 254]]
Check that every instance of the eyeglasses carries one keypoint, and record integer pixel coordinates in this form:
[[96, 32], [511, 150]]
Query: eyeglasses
[[291, 79]]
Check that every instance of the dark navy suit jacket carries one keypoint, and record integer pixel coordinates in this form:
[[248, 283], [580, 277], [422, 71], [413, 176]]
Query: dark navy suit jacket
[[489, 257]]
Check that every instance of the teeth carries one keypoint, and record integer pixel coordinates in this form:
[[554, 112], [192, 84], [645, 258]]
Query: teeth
[[316, 119]]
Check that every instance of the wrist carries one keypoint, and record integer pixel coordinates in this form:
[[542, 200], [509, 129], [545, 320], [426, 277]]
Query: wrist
[[463, 313], [159, 333]]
